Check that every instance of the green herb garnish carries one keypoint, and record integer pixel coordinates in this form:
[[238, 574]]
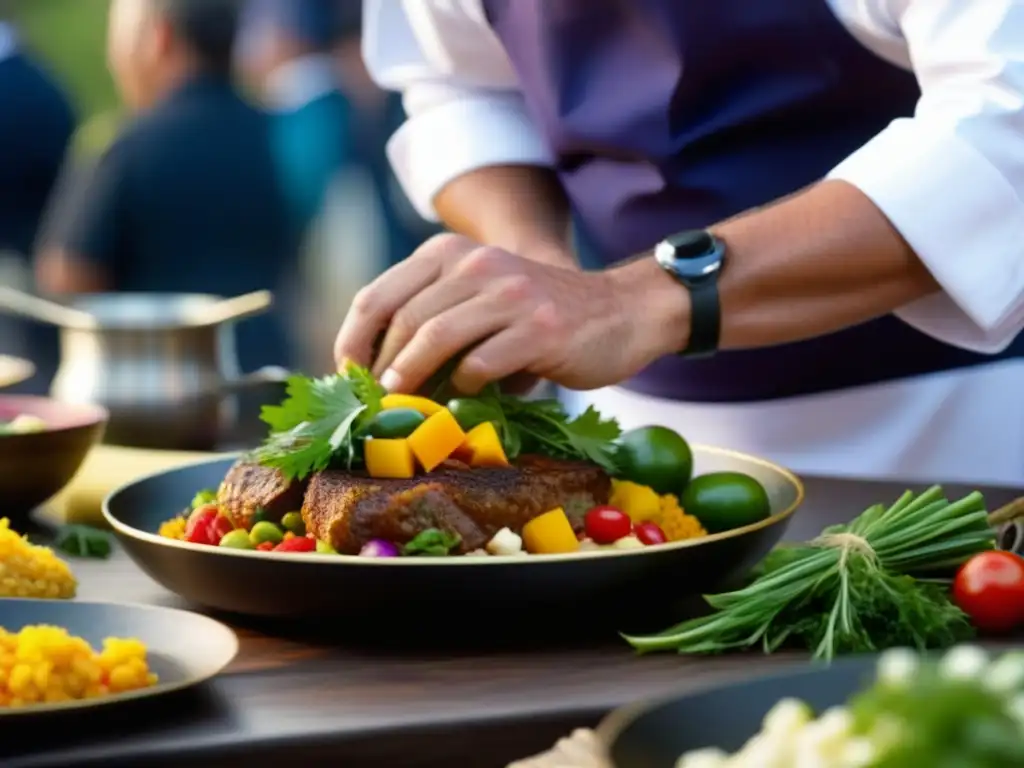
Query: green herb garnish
[[432, 543], [84, 541], [858, 588]]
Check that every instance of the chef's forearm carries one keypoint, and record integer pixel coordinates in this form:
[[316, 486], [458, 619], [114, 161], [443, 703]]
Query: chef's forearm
[[522, 209], [819, 261]]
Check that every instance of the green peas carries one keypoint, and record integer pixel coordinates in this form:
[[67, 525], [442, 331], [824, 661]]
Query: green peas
[[293, 522], [265, 531], [237, 539]]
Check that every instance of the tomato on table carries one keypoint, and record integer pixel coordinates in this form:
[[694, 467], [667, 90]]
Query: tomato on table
[[650, 533], [606, 524], [989, 588]]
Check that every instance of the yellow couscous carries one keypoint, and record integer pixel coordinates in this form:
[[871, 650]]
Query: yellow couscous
[[27, 570], [44, 664], [643, 504]]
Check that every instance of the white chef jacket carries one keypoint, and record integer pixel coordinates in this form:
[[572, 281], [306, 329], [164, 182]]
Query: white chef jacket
[[950, 179]]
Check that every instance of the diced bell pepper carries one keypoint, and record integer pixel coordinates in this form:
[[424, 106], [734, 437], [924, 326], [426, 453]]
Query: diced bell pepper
[[550, 534], [436, 439], [389, 458]]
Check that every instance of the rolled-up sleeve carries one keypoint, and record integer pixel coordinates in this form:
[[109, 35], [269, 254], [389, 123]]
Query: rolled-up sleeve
[[460, 95], [951, 178]]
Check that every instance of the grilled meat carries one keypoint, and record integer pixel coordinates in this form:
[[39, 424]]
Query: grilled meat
[[249, 487], [348, 509]]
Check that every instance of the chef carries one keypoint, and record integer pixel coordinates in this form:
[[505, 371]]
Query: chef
[[810, 215]]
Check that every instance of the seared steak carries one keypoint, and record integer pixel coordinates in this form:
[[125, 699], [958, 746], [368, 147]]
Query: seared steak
[[348, 509], [249, 487]]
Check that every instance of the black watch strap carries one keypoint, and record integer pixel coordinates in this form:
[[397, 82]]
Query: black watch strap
[[705, 319]]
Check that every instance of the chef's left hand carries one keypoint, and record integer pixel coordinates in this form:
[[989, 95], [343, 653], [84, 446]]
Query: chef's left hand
[[510, 314]]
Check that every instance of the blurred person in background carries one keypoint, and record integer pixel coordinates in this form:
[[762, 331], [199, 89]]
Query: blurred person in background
[[36, 126], [188, 198], [330, 124]]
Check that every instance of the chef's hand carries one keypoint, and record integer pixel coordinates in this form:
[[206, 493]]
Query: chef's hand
[[510, 314]]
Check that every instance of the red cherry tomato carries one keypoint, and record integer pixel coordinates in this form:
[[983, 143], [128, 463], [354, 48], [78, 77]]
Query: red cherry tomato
[[220, 527], [266, 546], [650, 533], [297, 544], [989, 588], [606, 525], [199, 529]]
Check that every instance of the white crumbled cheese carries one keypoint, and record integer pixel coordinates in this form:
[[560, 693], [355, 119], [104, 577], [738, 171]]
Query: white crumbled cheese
[[628, 542], [897, 666], [1005, 674], [505, 542], [589, 545], [478, 553], [711, 757], [965, 662]]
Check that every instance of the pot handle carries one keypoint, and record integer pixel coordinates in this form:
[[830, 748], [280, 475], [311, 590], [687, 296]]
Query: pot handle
[[271, 374]]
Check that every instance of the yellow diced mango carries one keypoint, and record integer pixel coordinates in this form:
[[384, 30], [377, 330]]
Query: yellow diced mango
[[482, 447], [436, 439], [550, 534], [423, 405], [641, 503], [389, 458]]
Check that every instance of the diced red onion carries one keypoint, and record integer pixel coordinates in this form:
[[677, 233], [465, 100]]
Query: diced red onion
[[379, 548]]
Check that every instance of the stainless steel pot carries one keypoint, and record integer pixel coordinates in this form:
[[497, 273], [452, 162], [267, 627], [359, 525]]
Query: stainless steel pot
[[167, 377]]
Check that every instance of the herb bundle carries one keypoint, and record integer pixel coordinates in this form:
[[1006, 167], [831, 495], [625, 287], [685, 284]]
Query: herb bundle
[[857, 588]]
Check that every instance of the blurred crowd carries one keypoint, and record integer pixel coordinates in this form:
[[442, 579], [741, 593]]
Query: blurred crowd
[[254, 158]]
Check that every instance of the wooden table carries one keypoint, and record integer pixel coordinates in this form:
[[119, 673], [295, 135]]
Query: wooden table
[[319, 704]]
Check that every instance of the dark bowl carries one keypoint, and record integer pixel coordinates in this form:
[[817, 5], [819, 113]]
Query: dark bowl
[[36, 466], [635, 590], [656, 735]]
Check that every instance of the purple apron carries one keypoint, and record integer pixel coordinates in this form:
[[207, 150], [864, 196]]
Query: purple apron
[[666, 115]]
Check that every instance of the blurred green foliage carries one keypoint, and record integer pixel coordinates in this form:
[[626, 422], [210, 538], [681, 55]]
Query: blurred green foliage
[[70, 36]]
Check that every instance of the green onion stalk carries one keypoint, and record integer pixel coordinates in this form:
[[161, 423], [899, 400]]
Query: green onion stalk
[[877, 582]]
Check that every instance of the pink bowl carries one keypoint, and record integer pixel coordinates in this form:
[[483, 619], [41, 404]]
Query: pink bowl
[[36, 466]]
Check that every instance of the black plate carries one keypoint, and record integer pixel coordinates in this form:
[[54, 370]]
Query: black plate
[[624, 590], [184, 649], [656, 735]]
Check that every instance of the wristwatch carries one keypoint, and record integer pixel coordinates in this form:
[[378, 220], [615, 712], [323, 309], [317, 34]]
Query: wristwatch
[[694, 259]]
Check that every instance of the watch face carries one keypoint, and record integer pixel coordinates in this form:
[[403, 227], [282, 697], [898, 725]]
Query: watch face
[[691, 256]]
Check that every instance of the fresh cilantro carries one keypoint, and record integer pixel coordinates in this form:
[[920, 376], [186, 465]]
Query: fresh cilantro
[[432, 542], [313, 425]]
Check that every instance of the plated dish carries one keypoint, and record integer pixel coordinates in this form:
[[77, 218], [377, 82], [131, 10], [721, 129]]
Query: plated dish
[[57, 656], [898, 709], [379, 527], [348, 469]]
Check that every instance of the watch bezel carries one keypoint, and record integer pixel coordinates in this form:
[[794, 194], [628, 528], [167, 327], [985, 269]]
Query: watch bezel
[[693, 257]]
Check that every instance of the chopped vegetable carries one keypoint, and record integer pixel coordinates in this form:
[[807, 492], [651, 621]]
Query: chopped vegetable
[[550, 534], [323, 548], [482, 447], [389, 458], [173, 528], [204, 497], [200, 528], [607, 524], [296, 544], [505, 542], [395, 422], [265, 532], [989, 588], [436, 439], [638, 501], [422, 405], [237, 539], [650, 533], [380, 548], [266, 546], [84, 541], [293, 522], [27, 570], [853, 588], [432, 542]]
